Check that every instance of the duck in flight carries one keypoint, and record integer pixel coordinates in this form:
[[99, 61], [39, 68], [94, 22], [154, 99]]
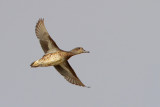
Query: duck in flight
[[56, 57]]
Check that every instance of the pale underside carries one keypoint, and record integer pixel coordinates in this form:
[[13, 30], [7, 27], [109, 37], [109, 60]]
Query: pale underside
[[49, 46], [50, 59]]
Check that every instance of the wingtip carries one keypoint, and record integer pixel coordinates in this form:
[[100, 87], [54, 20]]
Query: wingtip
[[41, 19], [38, 24], [87, 86]]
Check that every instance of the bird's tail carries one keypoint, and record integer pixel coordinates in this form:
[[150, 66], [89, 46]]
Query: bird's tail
[[34, 64]]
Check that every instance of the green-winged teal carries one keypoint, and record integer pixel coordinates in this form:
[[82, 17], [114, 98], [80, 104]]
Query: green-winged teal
[[56, 57]]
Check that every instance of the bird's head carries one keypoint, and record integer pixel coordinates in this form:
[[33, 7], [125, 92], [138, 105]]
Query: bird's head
[[78, 50]]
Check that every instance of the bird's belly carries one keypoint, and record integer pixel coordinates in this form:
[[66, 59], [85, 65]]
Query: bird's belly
[[49, 60]]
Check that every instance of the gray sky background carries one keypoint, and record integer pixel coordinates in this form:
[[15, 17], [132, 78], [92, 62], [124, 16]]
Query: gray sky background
[[123, 68]]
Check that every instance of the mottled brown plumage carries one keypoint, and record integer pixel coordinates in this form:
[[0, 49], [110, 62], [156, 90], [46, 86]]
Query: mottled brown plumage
[[56, 57]]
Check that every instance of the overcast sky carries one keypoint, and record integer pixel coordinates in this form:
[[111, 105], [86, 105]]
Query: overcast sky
[[122, 68]]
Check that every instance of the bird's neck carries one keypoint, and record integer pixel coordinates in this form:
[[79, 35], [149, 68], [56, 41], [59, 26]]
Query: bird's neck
[[69, 54]]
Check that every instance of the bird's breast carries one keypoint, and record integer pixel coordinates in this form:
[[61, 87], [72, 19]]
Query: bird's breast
[[51, 59]]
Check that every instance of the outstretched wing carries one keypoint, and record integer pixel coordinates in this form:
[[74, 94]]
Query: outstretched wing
[[48, 45], [66, 70], [46, 41]]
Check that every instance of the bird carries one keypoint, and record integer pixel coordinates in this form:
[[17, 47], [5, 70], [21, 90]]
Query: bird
[[54, 56]]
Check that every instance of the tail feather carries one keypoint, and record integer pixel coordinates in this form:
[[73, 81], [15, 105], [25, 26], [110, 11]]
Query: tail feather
[[34, 64]]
